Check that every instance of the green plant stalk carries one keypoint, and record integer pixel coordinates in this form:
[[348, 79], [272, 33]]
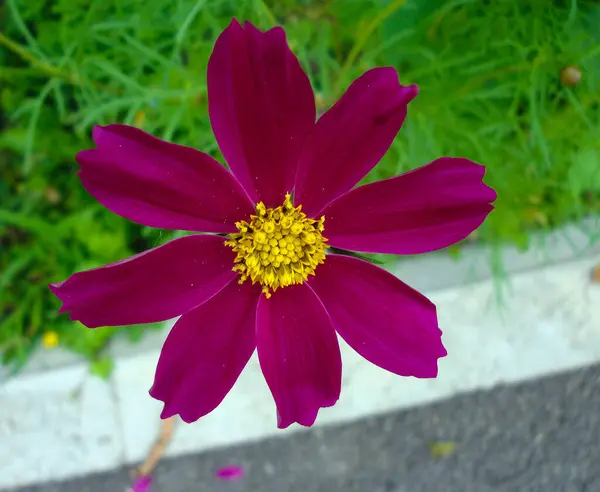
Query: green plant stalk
[[362, 39], [49, 70]]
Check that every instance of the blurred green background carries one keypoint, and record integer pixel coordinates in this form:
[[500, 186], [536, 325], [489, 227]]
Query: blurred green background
[[512, 84]]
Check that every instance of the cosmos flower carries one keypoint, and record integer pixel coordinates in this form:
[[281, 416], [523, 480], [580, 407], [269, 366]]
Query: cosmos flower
[[260, 275]]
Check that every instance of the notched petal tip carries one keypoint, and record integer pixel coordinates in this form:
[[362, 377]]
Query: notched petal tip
[[134, 290], [387, 322], [99, 132], [438, 351], [167, 411], [160, 184], [489, 194], [305, 421], [96, 132], [426, 209], [55, 288], [492, 195], [83, 157], [351, 138], [299, 354], [205, 352], [248, 25], [433, 374], [387, 77], [411, 92], [443, 352], [153, 392], [308, 416]]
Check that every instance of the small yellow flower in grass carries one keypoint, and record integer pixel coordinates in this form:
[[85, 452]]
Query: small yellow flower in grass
[[50, 339]]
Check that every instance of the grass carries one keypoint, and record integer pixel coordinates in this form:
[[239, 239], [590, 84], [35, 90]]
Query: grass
[[489, 74]]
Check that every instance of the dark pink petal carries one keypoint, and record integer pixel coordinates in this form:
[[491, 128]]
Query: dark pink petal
[[298, 353], [423, 210], [231, 472], [160, 184], [261, 108], [351, 138], [156, 285], [205, 353], [142, 484], [383, 319]]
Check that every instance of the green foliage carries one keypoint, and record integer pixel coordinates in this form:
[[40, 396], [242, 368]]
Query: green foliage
[[490, 91], [584, 174]]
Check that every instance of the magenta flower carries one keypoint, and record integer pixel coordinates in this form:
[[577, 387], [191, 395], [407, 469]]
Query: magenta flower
[[260, 278]]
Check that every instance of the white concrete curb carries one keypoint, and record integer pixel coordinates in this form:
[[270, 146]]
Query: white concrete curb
[[62, 422]]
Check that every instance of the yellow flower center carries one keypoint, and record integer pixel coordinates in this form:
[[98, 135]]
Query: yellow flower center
[[278, 247]]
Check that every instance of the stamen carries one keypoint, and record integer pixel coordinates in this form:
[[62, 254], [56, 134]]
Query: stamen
[[278, 247]]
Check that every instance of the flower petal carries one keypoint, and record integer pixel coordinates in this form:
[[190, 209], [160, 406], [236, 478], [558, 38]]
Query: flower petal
[[351, 138], [155, 285], [423, 210], [205, 353], [383, 319], [142, 484], [230, 472], [261, 108], [298, 353], [160, 184]]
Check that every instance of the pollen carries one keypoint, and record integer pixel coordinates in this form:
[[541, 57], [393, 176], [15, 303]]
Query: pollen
[[278, 247]]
